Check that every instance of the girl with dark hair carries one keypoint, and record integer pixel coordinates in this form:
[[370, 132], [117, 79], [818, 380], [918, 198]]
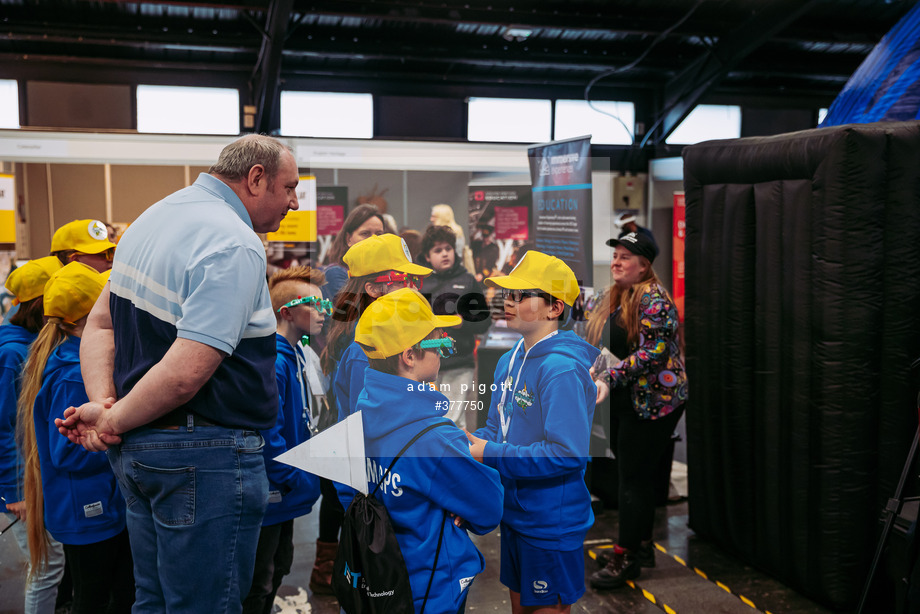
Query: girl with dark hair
[[364, 221]]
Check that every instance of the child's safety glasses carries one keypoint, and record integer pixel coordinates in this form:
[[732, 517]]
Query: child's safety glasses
[[446, 346], [517, 296], [322, 305], [407, 280]]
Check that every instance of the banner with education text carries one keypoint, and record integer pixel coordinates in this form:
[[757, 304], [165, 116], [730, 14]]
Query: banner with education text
[[560, 176]]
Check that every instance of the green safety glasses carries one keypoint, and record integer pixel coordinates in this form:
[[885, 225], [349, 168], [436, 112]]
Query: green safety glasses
[[446, 346], [322, 305]]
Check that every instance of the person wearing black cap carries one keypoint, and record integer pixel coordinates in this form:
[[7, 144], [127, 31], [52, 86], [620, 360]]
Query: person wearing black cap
[[638, 322], [625, 223]]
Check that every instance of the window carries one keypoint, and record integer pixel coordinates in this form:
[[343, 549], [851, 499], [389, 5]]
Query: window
[[188, 110], [327, 114], [9, 103], [578, 118], [707, 122], [509, 120]]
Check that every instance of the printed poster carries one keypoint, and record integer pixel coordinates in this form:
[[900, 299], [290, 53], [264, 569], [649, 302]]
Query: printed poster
[[499, 226], [560, 174]]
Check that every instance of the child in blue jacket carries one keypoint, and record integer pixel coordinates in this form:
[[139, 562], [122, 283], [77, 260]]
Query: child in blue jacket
[[537, 437], [436, 486], [70, 491], [27, 283], [297, 302], [376, 266]]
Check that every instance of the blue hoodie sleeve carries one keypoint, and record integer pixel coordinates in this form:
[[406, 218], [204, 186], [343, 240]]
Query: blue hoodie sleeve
[[349, 380], [566, 433], [467, 488], [9, 457], [65, 456], [492, 431]]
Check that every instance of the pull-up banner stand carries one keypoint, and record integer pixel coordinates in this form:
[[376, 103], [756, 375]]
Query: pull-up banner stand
[[560, 176]]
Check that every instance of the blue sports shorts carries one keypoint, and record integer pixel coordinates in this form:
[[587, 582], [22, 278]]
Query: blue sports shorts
[[542, 577]]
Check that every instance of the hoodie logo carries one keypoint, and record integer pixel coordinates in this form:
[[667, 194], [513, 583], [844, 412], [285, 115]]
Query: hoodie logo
[[523, 398]]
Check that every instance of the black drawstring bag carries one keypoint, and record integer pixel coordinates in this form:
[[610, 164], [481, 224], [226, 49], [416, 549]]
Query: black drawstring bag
[[369, 575]]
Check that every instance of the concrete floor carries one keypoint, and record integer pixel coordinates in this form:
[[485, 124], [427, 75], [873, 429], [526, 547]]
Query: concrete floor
[[675, 587]]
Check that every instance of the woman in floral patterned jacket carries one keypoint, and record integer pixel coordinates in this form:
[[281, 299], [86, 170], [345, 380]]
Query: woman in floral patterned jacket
[[648, 388]]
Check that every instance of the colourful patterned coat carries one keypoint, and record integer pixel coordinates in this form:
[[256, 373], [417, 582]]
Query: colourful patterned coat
[[654, 371]]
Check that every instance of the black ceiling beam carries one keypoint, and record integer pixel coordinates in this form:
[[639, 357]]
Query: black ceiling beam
[[266, 75], [683, 92]]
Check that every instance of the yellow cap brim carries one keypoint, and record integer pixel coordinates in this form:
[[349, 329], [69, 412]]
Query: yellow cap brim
[[96, 247], [413, 269], [448, 321], [513, 282]]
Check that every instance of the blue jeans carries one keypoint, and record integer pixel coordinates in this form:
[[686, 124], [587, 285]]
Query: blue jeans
[[41, 592], [195, 502]]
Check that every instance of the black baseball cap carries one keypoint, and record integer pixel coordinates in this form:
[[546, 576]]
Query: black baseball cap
[[638, 243]]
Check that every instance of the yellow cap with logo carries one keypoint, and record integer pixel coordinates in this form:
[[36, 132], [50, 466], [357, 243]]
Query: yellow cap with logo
[[380, 253], [539, 271], [72, 291], [397, 321], [86, 236], [28, 281]]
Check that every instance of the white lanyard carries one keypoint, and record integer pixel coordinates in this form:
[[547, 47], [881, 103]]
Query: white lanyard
[[509, 384], [304, 389]]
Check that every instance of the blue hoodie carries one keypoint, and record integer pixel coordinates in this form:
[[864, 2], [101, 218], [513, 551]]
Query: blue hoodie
[[348, 379], [291, 492], [347, 384], [82, 502], [543, 462], [14, 347], [434, 476]]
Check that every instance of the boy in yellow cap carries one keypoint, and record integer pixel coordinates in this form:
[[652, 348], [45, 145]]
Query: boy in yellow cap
[[537, 437], [85, 241], [27, 284], [436, 480]]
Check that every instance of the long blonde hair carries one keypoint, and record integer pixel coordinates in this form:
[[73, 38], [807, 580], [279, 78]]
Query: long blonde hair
[[53, 333], [628, 301]]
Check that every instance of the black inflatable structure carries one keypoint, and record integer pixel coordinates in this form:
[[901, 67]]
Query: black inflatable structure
[[802, 319]]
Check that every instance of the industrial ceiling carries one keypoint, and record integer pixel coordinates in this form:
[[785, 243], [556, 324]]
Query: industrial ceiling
[[671, 53]]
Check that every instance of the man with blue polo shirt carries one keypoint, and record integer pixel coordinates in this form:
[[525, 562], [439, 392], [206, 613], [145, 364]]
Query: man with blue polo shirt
[[178, 360]]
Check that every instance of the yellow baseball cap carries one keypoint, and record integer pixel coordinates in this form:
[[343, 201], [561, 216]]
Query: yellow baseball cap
[[72, 291], [380, 253], [86, 236], [397, 321], [28, 281], [540, 271]]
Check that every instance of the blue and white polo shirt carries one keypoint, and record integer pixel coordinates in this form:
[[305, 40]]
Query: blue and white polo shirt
[[191, 266]]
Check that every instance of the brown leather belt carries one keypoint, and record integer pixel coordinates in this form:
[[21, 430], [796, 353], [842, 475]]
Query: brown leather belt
[[178, 418]]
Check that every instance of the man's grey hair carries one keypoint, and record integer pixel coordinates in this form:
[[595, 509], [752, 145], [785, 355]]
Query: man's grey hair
[[241, 155]]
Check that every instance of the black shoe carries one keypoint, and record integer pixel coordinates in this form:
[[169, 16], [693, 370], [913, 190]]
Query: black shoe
[[622, 566], [645, 554]]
